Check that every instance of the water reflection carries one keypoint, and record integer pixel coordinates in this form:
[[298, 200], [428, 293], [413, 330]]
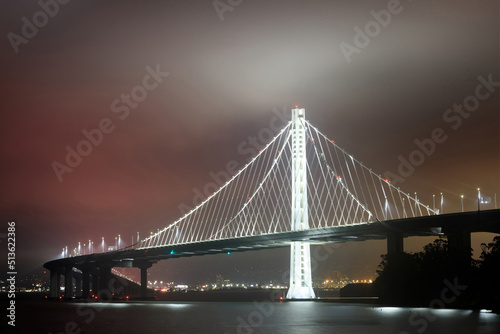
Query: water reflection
[[258, 318]]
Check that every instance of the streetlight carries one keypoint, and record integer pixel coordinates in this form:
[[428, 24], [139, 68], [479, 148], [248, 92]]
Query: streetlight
[[478, 199], [442, 203], [462, 199], [119, 241], [415, 204], [102, 245]]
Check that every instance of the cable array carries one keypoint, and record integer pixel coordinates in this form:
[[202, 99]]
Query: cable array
[[257, 199]]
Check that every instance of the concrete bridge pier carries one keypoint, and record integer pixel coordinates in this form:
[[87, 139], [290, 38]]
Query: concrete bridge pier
[[95, 282], [395, 246], [78, 286], [144, 279], [68, 282], [85, 283], [105, 288], [55, 282]]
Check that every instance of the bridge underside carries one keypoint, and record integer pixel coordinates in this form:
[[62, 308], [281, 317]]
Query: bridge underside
[[457, 227]]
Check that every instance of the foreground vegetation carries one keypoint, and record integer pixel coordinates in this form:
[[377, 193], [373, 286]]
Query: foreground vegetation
[[434, 278]]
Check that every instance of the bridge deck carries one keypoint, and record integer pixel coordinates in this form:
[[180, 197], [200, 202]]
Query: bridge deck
[[483, 221]]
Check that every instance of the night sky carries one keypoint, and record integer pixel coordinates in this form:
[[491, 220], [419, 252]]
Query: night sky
[[179, 86]]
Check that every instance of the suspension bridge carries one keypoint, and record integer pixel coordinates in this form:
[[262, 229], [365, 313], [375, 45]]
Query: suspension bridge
[[301, 188]]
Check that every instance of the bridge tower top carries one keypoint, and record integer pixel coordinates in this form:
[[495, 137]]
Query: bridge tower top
[[300, 217]]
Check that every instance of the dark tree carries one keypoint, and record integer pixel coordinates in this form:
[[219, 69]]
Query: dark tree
[[416, 279], [489, 276]]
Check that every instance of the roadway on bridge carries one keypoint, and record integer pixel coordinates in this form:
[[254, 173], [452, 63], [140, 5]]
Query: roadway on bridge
[[436, 225]]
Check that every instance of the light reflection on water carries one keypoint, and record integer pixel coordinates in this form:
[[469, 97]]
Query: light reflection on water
[[258, 317]]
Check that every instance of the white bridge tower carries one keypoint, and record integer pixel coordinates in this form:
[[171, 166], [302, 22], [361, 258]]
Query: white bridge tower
[[300, 255]]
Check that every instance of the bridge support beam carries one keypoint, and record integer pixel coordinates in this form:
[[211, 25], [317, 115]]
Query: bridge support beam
[[95, 282], [395, 246], [300, 255], [55, 283], [85, 283], [105, 288], [78, 286], [68, 282], [144, 280]]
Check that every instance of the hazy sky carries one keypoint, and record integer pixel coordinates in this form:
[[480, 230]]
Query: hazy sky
[[179, 85]]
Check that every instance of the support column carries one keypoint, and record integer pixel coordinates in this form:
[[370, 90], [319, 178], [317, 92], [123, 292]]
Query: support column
[[395, 246], [144, 279], [68, 282], [300, 256], [86, 283], [78, 285], [105, 288], [55, 283], [95, 282]]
